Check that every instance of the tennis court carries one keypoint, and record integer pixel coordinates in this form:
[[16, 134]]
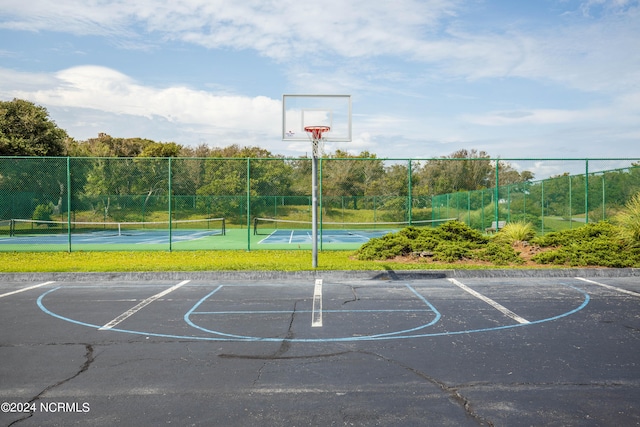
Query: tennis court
[[109, 238], [293, 237], [193, 234], [58, 235], [288, 232], [493, 348]]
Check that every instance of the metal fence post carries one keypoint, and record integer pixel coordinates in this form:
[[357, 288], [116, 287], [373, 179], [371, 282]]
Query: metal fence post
[[69, 202], [586, 191], [570, 203], [604, 199], [542, 205], [248, 204], [170, 202], [496, 206], [409, 195]]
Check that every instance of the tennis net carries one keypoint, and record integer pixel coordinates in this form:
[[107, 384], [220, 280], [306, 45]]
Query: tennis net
[[265, 226], [17, 227], [6, 227]]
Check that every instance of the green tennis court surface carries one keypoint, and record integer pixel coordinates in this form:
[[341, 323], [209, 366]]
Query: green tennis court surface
[[234, 238]]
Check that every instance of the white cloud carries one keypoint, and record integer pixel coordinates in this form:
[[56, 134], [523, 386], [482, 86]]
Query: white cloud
[[582, 53], [109, 91], [70, 16], [288, 28]]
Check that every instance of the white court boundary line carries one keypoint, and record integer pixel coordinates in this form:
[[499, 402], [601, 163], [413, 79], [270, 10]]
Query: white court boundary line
[[316, 316], [140, 306], [504, 310], [635, 294], [26, 289]]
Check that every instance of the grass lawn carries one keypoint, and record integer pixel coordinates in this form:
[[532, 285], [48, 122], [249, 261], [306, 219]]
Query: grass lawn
[[15, 262]]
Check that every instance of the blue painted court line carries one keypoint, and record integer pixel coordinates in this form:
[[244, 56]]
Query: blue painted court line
[[193, 310], [309, 311], [385, 336]]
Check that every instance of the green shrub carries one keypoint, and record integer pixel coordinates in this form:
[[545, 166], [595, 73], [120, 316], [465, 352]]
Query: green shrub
[[516, 231], [459, 231], [600, 251], [499, 254], [452, 251], [568, 237], [385, 247], [591, 245], [449, 242]]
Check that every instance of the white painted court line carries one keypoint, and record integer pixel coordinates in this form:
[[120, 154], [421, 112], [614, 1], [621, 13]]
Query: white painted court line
[[504, 310], [316, 312], [268, 237], [140, 306], [26, 289], [635, 294]]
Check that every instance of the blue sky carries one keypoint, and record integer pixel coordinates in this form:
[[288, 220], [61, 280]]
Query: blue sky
[[526, 78]]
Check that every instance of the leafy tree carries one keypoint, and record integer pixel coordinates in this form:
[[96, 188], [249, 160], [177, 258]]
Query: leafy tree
[[26, 130], [344, 175], [462, 170], [465, 171], [107, 146], [226, 178]]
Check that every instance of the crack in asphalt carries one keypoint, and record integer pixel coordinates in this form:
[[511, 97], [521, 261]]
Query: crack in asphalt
[[284, 347], [89, 358], [540, 385], [355, 296], [452, 392], [633, 328]]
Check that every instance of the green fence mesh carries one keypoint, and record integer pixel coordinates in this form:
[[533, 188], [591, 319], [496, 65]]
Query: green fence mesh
[[65, 204]]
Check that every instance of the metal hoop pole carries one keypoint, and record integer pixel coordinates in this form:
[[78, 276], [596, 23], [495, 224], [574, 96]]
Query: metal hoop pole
[[314, 209], [315, 133]]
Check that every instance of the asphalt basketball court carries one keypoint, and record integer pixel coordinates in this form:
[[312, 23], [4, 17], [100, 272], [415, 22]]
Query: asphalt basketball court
[[501, 348]]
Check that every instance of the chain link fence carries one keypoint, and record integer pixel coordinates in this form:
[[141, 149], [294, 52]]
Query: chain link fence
[[65, 204]]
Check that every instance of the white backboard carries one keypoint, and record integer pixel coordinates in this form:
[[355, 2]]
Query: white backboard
[[300, 111]]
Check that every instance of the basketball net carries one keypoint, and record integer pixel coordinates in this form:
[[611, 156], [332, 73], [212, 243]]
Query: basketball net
[[317, 138]]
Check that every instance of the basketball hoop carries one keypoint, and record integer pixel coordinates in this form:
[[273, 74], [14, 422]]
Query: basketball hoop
[[315, 134]]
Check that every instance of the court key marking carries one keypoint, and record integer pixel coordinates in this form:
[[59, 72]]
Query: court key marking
[[613, 288], [316, 316], [403, 334], [504, 310], [140, 306], [26, 289]]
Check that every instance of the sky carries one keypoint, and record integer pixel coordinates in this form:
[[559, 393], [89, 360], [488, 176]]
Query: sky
[[516, 79]]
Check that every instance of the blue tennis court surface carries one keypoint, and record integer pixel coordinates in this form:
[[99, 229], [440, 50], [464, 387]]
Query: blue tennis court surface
[[111, 237], [327, 236]]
